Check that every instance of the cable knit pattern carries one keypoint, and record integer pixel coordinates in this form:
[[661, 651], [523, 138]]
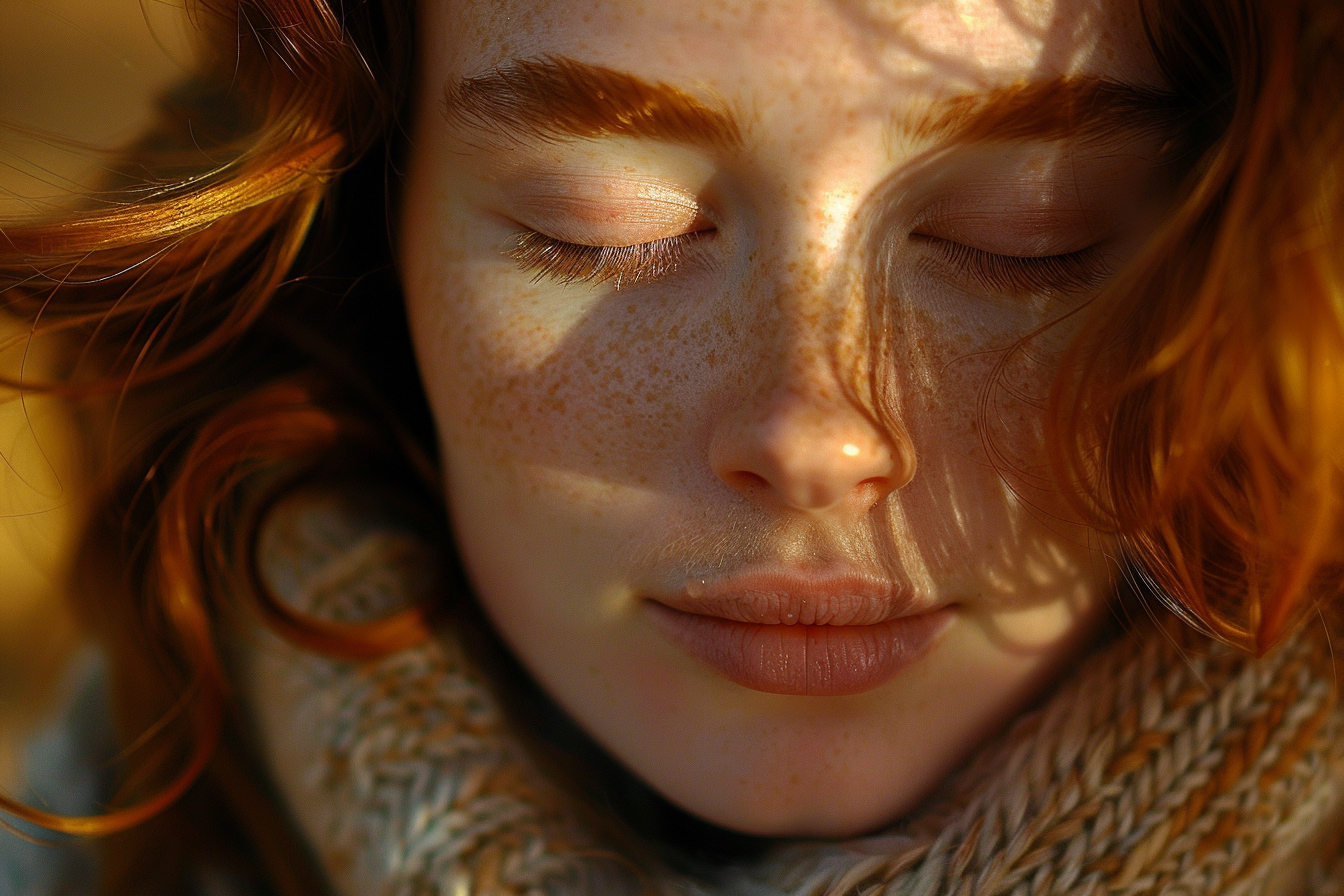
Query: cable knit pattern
[[401, 771], [1167, 764]]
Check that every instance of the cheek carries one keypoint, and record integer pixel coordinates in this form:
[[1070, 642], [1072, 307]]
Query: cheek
[[610, 386], [974, 393], [607, 395], [974, 374]]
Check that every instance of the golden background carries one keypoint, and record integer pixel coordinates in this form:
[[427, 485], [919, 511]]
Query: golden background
[[77, 79]]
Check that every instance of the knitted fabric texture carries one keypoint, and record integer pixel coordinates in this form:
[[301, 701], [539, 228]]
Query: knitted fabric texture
[[1166, 764]]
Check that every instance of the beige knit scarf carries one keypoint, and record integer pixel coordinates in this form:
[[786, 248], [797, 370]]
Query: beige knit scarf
[[1166, 764]]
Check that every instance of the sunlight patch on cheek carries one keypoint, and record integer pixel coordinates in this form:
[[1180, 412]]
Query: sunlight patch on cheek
[[489, 345], [1045, 623], [547, 545], [519, 323], [1029, 552], [1046, 566], [553, 506], [583, 498], [614, 603]]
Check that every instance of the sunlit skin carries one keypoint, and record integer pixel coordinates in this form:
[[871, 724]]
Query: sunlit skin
[[803, 388]]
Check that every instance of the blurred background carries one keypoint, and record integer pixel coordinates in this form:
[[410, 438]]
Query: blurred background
[[77, 79]]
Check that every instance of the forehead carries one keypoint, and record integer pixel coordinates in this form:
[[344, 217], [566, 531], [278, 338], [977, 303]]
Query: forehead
[[732, 46]]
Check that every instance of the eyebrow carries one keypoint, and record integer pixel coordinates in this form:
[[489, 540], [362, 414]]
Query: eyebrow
[[1077, 106], [554, 98]]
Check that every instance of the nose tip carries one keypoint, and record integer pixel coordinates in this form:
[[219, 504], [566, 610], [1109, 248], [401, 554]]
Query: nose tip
[[809, 458]]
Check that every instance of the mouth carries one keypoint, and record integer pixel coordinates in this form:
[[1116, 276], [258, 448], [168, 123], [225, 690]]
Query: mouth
[[801, 633]]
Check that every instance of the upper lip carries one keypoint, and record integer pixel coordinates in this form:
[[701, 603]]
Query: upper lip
[[796, 597]]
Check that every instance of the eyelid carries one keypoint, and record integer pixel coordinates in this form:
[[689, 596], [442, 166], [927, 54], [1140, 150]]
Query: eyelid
[[1079, 271], [566, 263], [604, 211], [1015, 229]]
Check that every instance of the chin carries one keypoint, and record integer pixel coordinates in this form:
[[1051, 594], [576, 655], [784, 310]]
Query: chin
[[828, 806], [824, 815]]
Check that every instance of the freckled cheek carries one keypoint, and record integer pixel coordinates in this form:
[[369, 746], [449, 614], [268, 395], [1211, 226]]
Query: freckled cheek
[[612, 388], [978, 423], [971, 383]]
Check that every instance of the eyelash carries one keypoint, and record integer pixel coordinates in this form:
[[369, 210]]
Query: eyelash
[[1017, 275], [564, 262]]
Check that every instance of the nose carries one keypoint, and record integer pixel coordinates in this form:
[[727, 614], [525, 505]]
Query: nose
[[808, 450]]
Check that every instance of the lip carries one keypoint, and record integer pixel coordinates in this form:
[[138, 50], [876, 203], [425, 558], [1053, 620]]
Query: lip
[[801, 633]]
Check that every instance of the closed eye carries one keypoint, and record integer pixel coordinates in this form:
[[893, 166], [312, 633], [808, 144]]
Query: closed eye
[[568, 263], [564, 262], [1020, 275]]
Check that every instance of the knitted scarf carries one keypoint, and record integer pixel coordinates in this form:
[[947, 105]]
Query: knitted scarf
[[1165, 764]]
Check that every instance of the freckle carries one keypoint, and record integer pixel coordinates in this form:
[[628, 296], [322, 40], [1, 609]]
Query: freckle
[[793, 779]]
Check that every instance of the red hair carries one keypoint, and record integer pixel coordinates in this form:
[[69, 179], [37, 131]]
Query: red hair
[[180, 291], [1199, 417], [1214, 381]]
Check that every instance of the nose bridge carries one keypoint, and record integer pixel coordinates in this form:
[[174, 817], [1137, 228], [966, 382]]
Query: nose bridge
[[817, 344], [819, 377], [804, 433], [814, 360]]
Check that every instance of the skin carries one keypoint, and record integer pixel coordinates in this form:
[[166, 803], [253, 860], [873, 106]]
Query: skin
[[603, 445]]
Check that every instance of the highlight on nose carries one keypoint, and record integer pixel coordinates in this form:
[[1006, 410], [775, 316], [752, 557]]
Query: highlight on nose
[[803, 455]]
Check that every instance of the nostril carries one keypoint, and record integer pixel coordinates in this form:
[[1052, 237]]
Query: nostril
[[872, 490], [746, 483], [801, 453]]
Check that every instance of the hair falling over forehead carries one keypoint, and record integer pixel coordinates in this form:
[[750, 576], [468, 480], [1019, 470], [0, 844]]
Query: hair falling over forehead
[[1200, 418]]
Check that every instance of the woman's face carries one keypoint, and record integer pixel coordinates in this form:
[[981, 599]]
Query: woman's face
[[732, 316]]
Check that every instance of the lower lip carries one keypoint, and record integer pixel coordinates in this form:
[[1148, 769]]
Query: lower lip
[[804, 660]]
